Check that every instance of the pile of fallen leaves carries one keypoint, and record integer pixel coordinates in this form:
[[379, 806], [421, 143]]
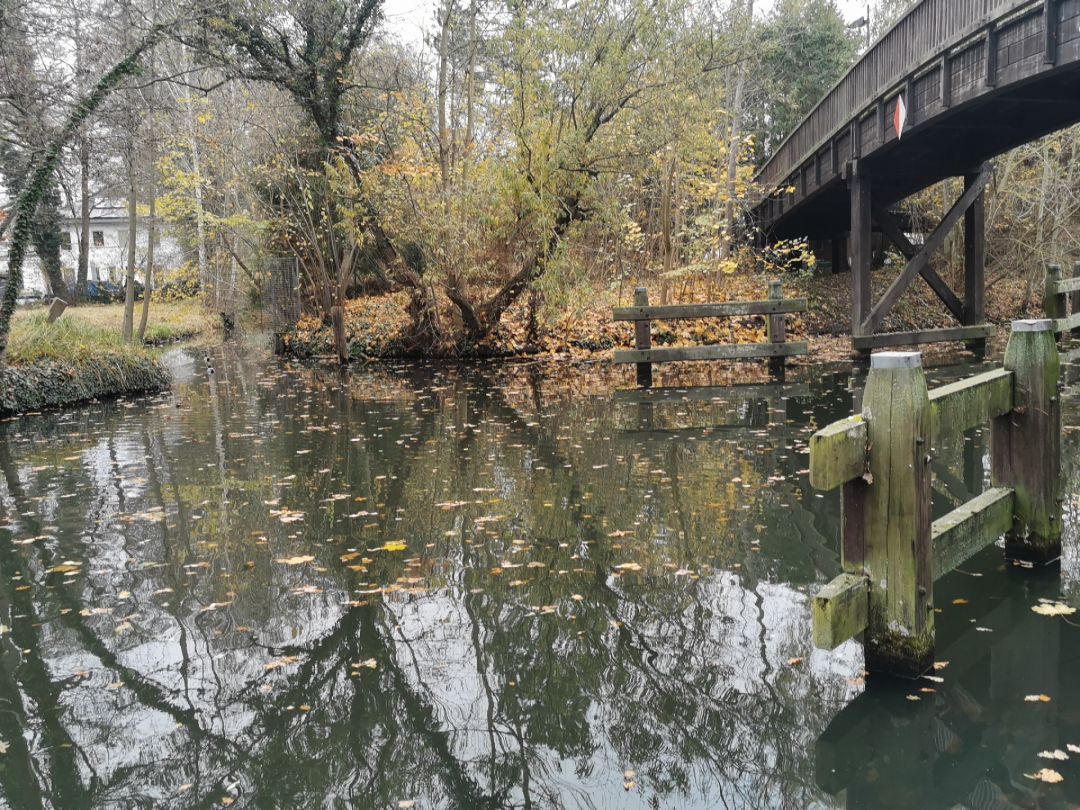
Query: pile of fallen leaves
[[377, 327]]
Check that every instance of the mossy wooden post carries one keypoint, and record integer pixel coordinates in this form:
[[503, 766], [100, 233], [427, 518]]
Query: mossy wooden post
[[775, 328], [893, 508], [1053, 301], [643, 338], [1025, 444], [341, 345]]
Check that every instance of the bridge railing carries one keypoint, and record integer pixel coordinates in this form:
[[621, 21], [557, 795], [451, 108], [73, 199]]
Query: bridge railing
[[891, 549], [915, 41]]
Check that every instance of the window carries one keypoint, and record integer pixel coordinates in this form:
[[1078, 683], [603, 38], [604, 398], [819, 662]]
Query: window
[[99, 238], [65, 240]]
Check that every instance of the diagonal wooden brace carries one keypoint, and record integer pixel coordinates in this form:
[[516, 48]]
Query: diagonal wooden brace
[[919, 263], [895, 234]]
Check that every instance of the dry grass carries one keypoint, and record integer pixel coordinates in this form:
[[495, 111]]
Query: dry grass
[[91, 329]]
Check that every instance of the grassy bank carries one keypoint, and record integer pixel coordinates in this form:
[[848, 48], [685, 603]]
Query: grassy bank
[[82, 357]]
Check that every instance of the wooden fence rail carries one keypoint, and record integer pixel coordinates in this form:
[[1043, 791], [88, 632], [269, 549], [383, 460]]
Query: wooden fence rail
[[891, 549], [774, 308], [1063, 296]]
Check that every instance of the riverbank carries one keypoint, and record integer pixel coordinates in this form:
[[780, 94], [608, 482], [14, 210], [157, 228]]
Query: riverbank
[[82, 357], [581, 328]]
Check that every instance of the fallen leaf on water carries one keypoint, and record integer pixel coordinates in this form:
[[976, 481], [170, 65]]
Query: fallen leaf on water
[[370, 663], [940, 665], [66, 567], [299, 560], [1074, 749], [794, 662], [959, 601], [1054, 609], [281, 662], [395, 546], [405, 804], [630, 566], [1046, 775], [1037, 698], [1055, 754]]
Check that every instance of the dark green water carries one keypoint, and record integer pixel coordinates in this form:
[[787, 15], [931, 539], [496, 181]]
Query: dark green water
[[522, 591]]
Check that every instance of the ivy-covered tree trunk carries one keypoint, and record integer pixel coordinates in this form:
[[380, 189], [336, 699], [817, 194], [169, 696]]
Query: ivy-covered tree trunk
[[41, 177]]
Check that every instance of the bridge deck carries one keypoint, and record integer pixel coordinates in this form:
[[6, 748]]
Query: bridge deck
[[979, 77]]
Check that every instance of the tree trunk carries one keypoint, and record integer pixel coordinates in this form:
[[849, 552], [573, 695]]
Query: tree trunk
[[83, 271], [442, 92], [129, 287], [151, 235], [733, 149]]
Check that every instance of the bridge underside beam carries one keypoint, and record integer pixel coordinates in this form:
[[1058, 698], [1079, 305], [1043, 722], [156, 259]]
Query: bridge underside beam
[[866, 211]]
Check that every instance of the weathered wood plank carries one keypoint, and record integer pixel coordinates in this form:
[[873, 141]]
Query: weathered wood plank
[[889, 339], [838, 453], [726, 309], [1068, 323], [717, 393], [969, 528], [839, 611], [1065, 285], [726, 351], [962, 405]]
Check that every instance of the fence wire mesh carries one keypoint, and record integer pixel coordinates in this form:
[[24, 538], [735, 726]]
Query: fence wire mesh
[[284, 293]]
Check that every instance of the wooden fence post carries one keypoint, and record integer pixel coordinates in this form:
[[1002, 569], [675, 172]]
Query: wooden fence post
[[1025, 445], [341, 345], [1053, 301], [890, 516], [643, 338], [776, 327]]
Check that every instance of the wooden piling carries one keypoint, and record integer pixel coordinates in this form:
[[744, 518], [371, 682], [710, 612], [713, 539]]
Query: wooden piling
[[643, 338], [341, 345], [1025, 444], [776, 327], [894, 508]]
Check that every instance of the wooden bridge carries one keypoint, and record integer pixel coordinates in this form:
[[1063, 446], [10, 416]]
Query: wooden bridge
[[977, 78]]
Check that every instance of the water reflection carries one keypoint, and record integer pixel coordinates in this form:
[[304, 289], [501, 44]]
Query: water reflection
[[289, 587]]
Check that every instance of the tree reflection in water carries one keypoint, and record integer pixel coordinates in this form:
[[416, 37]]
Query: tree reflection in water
[[160, 654]]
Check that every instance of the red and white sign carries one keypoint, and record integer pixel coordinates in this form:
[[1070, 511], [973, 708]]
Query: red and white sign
[[900, 118]]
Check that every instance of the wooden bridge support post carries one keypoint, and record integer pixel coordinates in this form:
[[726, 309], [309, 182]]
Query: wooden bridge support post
[[776, 328], [895, 517], [1025, 445], [860, 245], [643, 338], [975, 262]]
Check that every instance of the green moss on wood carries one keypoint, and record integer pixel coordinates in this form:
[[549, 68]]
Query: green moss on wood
[[839, 611]]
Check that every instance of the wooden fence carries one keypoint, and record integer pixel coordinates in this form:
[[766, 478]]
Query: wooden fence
[[1063, 298], [775, 308], [891, 549]]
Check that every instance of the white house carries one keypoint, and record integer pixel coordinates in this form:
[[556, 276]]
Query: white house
[[108, 251]]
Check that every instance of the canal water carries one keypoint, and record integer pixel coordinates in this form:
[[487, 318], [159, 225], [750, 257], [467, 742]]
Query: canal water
[[491, 587]]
